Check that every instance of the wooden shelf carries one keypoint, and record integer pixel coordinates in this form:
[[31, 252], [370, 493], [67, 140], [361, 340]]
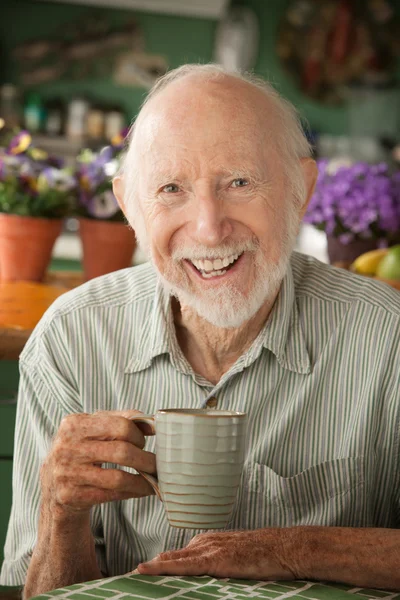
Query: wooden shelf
[[65, 147]]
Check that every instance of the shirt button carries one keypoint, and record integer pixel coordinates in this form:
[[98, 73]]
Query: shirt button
[[211, 402]]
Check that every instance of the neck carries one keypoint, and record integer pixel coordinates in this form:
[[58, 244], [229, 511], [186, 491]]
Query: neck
[[211, 350]]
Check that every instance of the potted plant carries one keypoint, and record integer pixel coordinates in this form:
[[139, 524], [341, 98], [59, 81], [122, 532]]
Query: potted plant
[[108, 242], [35, 194], [357, 205]]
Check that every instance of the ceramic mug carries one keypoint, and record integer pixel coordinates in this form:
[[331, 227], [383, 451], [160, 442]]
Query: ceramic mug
[[199, 457]]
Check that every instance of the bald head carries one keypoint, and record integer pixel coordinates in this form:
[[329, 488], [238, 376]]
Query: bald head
[[203, 107], [193, 109], [210, 178], [194, 96]]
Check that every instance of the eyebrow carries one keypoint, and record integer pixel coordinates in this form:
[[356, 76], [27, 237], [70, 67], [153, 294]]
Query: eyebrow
[[162, 178], [242, 172], [252, 173], [169, 175]]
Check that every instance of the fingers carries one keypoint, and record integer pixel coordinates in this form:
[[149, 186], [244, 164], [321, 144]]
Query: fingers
[[145, 428], [103, 426], [187, 565], [244, 554], [119, 453], [105, 479], [202, 556], [112, 479], [71, 475], [90, 489]]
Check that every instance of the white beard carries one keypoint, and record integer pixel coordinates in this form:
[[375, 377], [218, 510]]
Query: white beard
[[226, 306]]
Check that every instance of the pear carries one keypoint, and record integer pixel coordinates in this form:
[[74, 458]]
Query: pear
[[389, 266], [367, 263]]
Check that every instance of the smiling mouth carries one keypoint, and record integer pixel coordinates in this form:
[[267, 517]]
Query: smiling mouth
[[215, 268]]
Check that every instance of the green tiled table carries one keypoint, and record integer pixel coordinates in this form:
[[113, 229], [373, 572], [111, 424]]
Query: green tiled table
[[141, 587]]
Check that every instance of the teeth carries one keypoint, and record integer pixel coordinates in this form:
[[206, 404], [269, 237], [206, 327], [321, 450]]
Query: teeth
[[210, 266], [213, 274]]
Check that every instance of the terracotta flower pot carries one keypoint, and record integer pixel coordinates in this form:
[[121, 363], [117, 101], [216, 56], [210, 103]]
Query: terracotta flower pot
[[26, 244], [107, 246]]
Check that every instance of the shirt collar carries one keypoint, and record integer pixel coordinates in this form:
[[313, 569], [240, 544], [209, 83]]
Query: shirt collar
[[157, 335], [282, 334]]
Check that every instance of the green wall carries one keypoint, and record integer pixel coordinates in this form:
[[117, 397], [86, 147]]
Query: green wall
[[180, 39]]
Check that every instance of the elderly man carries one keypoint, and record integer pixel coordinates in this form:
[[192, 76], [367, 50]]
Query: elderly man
[[215, 183]]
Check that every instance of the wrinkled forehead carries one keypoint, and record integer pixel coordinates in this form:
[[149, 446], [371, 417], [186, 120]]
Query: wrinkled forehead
[[219, 121]]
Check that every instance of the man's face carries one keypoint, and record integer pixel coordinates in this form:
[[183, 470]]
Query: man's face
[[214, 201]]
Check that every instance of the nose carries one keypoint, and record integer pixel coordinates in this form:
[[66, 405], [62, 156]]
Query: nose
[[212, 225]]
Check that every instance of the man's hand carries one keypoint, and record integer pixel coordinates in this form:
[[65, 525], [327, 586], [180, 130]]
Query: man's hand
[[242, 554], [364, 557], [72, 481], [72, 478]]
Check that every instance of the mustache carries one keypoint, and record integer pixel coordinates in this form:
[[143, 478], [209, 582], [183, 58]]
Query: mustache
[[200, 251]]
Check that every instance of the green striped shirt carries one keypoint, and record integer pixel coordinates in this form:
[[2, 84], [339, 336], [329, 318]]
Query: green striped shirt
[[320, 385]]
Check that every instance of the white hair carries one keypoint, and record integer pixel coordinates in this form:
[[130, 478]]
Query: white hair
[[289, 137]]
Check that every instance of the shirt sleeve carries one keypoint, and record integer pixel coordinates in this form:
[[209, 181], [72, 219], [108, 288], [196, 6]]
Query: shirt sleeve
[[395, 401], [39, 413]]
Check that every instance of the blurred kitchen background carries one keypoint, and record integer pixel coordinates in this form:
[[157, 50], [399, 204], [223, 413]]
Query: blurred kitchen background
[[72, 78], [75, 73]]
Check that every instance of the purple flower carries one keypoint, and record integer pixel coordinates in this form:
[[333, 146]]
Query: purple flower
[[103, 206], [94, 174], [32, 182], [346, 238], [96, 169], [355, 201], [104, 156], [56, 179], [13, 166], [20, 143]]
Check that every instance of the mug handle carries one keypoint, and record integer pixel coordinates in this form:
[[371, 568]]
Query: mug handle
[[153, 481]]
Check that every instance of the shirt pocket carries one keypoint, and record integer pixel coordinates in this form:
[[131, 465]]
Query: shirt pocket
[[330, 493]]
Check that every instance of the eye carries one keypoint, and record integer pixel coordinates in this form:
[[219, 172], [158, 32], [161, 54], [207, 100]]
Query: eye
[[239, 182], [170, 188]]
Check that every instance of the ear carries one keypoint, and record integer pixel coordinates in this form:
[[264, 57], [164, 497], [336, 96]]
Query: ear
[[119, 191], [310, 173]]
